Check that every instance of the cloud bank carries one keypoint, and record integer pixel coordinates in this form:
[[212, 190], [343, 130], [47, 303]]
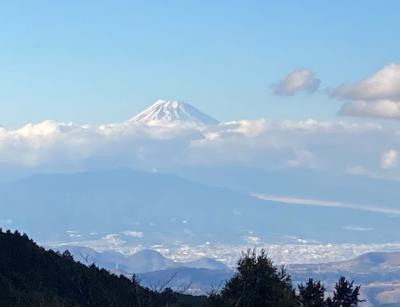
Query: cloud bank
[[299, 80], [337, 145], [378, 108]]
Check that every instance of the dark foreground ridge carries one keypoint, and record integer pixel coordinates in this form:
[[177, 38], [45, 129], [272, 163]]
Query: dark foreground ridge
[[32, 276]]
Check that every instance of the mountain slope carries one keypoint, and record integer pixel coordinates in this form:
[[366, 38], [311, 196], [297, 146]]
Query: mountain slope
[[32, 276], [368, 263], [111, 205], [377, 272], [170, 112], [143, 261]]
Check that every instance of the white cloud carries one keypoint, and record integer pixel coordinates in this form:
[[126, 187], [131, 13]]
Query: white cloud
[[291, 200], [377, 108], [384, 84], [376, 96], [335, 145], [297, 81], [389, 159]]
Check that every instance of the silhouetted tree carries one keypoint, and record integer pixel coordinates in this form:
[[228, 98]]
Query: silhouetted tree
[[345, 294], [257, 283], [312, 294], [214, 299]]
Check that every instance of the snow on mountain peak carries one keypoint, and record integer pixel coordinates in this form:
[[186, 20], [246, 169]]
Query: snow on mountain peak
[[172, 112]]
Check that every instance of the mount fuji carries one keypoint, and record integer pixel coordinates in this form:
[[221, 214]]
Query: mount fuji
[[173, 112]]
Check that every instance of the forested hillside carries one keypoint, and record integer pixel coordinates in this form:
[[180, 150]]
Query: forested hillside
[[32, 276]]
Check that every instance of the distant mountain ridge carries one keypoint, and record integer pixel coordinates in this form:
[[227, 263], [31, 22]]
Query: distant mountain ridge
[[364, 264], [377, 272], [143, 261], [173, 112], [89, 204], [197, 277]]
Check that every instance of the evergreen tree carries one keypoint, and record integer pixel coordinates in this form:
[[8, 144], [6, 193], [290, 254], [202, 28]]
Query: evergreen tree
[[345, 294], [312, 294], [258, 283]]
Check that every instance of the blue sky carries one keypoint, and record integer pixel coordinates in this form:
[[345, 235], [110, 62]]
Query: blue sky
[[104, 61]]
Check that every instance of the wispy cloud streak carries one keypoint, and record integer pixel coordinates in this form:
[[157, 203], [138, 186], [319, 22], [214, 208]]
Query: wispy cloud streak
[[325, 203]]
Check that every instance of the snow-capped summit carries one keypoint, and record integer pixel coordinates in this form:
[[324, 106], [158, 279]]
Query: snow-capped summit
[[172, 112]]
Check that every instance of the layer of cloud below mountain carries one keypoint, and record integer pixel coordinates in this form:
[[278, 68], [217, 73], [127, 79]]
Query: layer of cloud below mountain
[[336, 145]]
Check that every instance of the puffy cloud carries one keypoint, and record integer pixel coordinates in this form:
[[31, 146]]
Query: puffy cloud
[[376, 96], [389, 159], [297, 81], [324, 145], [58, 147], [377, 108], [384, 84]]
